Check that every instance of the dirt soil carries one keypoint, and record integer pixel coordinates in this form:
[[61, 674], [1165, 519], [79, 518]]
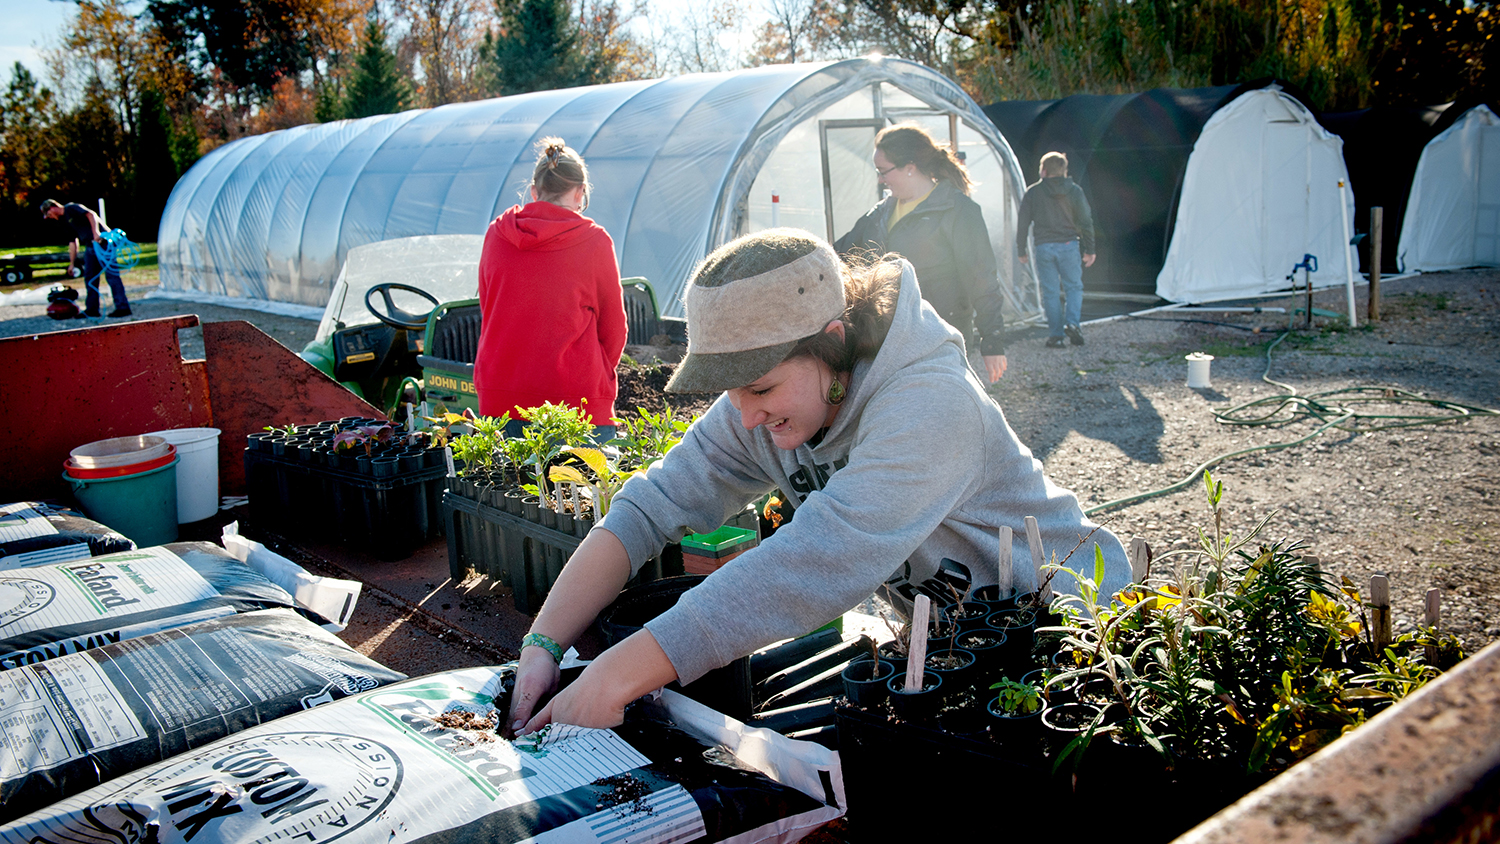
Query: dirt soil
[[1115, 417]]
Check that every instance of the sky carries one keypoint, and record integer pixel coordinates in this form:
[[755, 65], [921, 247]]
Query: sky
[[30, 26]]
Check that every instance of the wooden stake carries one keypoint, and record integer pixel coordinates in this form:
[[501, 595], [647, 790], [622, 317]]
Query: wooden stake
[[916, 649], [1434, 618], [1140, 560], [1006, 582], [1380, 611], [1377, 216], [1313, 561], [1038, 559]]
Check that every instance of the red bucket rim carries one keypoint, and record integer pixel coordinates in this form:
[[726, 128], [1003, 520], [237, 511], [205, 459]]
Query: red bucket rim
[[73, 470]]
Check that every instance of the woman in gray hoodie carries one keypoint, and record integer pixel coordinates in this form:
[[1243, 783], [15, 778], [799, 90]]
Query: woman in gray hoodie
[[846, 391]]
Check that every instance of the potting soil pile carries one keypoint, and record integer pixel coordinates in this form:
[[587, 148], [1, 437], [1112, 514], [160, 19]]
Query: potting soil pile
[[421, 761], [85, 718], [47, 611], [34, 533]]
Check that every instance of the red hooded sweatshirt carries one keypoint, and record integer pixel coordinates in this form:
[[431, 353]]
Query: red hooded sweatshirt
[[553, 317]]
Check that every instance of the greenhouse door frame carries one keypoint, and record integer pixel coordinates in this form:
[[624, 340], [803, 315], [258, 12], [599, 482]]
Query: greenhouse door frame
[[889, 116], [873, 123]]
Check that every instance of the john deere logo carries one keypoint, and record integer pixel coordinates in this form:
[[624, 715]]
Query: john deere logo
[[287, 787], [20, 597]]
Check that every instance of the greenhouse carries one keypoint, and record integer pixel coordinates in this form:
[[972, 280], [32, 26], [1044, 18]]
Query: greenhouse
[[1453, 215], [679, 166]]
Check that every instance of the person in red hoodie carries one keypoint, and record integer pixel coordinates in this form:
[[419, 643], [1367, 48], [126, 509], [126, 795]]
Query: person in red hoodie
[[552, 313]]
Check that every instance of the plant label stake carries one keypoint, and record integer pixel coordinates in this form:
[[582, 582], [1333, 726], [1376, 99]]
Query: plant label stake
[[1434, 616], [1140, 560], [1006, 582], [1380, 611], [916, 649], [1034, 539]]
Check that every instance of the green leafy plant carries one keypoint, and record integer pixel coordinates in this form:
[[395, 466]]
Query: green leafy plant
[[1016, 698], [606, 479], [647, 437], [551, 428]]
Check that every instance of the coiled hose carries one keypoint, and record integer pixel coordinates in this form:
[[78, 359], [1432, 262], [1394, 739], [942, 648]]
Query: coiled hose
[[1334, 408]]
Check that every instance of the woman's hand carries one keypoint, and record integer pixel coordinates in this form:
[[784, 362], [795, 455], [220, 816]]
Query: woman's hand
[[995, 366], [536, 678], [599, 696]]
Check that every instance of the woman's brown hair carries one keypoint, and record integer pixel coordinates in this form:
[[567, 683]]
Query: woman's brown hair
[[559, 169], [908, 143]]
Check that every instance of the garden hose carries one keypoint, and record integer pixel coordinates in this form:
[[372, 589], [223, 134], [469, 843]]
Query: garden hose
[[115, 251], [1333, 407]]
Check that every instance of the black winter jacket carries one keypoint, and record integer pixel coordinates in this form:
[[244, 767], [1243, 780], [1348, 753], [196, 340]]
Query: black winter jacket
[[946, 241], [1061, 213]]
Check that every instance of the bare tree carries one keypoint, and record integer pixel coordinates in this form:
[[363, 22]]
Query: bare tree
[[443, 39]]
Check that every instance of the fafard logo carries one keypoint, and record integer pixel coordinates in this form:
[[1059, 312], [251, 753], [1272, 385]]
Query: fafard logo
[[301, 786], [100, 584], [414, 708], [22, 596]]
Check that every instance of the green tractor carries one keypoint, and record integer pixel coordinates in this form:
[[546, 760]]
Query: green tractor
[[402, 324]]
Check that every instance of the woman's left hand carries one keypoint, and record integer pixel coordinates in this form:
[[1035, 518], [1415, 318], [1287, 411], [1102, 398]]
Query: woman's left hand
[[599, 696], [995, 364]]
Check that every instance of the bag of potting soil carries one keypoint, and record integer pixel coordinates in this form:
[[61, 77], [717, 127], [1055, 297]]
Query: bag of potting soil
[[47, 611], [34, 533], [90, 717], [327, 598], [421, 761]]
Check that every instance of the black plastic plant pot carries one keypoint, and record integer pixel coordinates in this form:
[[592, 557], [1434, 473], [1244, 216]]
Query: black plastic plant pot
[[990, 597], [512, 501], [1019, 733], [364, 464], [957, 667], [531, 509], [988, 648], [383, 467], [1019, 627], [969, 616], [411, 460], [582, 525], [725, 690], [918, 707], [1066, 721], [865, 682]]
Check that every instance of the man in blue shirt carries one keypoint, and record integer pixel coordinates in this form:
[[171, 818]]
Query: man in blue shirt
[[87, 227]]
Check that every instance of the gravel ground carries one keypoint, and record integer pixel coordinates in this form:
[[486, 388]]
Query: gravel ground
[[1417, 504], [1115, 417]]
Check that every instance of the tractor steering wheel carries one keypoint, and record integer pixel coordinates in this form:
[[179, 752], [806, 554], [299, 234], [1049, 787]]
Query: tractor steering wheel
[[394, 316]]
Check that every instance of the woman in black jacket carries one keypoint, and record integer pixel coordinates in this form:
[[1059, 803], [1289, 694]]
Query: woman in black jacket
[[929, 219]]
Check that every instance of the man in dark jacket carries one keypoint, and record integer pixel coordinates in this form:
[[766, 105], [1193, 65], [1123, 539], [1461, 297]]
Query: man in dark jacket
[[87, 227], [1064, 227]]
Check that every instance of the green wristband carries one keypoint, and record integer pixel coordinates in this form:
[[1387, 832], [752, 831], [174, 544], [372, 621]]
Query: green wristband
[[545, 643]]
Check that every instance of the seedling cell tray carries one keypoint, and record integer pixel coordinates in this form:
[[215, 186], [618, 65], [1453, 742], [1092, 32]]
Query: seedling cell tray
[[389, 517]]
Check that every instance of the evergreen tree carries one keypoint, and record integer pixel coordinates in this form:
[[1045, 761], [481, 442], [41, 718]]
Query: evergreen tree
[[376, 85], [537, 49]]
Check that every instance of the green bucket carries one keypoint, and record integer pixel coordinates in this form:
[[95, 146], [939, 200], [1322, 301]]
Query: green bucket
[[142, 506]]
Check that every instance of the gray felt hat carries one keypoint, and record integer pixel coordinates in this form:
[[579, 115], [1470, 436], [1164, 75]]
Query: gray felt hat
[[749, 303]]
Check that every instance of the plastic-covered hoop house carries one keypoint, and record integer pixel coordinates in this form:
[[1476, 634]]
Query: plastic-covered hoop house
[[1199, 193], [679, 166]]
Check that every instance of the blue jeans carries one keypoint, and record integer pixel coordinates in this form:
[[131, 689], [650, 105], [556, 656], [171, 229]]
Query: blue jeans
[[92, 269], [1060, 264]]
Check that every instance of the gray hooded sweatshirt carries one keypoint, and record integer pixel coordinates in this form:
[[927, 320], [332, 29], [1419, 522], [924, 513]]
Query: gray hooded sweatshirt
[[919, 465]]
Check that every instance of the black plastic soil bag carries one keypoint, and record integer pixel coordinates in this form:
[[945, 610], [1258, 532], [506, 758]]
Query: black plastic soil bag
[[96, 715], [421, 761], [47, 611], [34, 533]]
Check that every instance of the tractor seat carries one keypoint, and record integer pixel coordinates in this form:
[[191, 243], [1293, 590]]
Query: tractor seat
[[455, 338]]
